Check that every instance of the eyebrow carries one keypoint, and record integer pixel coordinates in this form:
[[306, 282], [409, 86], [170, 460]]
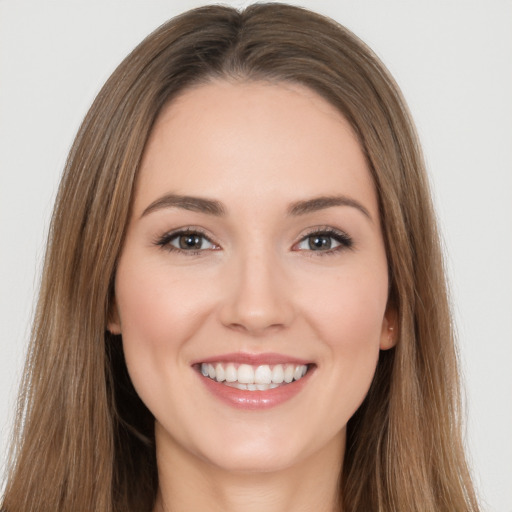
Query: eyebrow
[[216, 208], [323, 202], [193, 204]]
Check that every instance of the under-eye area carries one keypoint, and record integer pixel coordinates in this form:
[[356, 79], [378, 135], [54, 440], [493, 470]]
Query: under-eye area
[[254, 377], [194, 240]]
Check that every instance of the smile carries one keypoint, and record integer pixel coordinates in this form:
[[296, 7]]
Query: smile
[[254, 377], [254, 381]]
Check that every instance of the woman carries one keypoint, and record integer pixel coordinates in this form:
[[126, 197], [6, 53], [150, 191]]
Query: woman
[[212, 337]]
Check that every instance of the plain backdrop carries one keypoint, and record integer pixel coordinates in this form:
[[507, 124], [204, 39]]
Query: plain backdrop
[[453, 61]]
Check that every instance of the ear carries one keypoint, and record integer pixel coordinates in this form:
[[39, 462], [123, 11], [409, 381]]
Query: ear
[[389, 333], [114, 322]]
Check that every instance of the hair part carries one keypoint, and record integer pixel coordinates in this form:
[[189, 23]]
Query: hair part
[[84, 439]]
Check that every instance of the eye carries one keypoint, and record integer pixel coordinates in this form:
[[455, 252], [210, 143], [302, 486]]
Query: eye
[[324, 241], [186, 241]]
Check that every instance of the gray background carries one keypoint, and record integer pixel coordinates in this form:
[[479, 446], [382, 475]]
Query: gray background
[[453, 61]]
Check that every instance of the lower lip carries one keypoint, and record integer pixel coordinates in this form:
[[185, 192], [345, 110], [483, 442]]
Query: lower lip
[[255, 400]]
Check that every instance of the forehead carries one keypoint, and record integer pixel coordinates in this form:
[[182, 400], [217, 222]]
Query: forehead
[[277, 142]]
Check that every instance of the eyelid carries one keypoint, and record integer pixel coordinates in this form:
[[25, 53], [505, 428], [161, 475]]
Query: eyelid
[[342, 238], [164, 241]]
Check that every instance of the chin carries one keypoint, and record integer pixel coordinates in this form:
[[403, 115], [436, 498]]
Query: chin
[[252, 459], [266, 451]]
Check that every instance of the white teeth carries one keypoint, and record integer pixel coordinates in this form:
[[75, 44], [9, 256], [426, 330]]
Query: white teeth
[[278, 374], [263, 374], [220, 374], [289, 371], [237, 385], [231, 373], [245, 374], [252, 378]]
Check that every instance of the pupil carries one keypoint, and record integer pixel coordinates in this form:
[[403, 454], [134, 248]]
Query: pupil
[[190, 241], [319, 242]]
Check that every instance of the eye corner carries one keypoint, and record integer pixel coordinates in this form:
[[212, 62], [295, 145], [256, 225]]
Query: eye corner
[[323, 240], [189, 241]]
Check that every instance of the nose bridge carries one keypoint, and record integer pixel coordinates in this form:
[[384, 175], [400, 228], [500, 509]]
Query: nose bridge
[[258, 297]]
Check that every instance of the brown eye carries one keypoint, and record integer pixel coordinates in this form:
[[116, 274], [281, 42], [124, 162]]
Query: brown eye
[[319, 242], [189, 241], [324, 241], [186, 241]]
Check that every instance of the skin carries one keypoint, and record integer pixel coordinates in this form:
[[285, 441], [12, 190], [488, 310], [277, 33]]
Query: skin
[[256, 285]]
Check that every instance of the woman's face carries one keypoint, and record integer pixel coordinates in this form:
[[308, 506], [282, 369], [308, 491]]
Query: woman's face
[[254, 254]]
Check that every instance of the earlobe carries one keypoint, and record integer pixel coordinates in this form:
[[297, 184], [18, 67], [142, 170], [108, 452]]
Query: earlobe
[[114, 323], [389, 334]]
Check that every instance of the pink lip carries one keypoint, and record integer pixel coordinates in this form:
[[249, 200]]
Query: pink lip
[[253, 359], [255, 400]]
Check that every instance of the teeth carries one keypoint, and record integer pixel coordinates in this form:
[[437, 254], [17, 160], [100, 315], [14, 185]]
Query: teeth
[[231, 373], [245, 374], [278, 374], [251, 387], [254, 378], [289, 372], [263, 374], [220, 374]]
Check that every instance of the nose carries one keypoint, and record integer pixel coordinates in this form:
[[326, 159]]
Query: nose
[[258, 297]]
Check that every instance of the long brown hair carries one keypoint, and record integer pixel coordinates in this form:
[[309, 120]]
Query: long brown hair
[[84, 440]]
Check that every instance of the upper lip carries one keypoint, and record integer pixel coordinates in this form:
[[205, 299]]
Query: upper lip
[[269, 358]]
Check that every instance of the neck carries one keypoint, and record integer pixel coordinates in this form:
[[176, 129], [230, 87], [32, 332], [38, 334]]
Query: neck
[[189, 483]]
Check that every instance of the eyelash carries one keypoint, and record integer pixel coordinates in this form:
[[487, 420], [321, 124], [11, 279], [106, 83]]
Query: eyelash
[[164, 242], [344, 241]]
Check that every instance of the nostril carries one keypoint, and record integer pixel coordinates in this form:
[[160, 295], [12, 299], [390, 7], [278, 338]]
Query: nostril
[[254, 327]]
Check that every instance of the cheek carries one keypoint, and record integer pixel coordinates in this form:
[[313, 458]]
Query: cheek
[[159, 313], [349, 309], [157, 305], [348, 317]]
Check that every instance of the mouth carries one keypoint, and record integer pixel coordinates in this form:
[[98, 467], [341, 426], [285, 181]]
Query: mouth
[[254, 381], [251, 377]]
